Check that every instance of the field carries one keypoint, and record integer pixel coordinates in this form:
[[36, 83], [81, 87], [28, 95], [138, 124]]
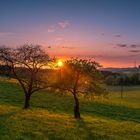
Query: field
[[51, 116]]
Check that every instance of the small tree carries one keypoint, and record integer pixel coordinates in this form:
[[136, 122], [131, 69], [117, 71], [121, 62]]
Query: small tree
[[80, 76], [25, 64]]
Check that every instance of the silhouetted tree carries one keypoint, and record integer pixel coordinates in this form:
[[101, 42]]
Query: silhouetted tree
[[80, 76], [25, 64]]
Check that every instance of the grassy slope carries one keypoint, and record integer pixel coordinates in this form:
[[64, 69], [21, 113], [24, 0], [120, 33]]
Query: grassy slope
[[51, 116]]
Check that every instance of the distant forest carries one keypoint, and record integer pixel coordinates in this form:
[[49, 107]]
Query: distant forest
[[110, 78], [116, 79]]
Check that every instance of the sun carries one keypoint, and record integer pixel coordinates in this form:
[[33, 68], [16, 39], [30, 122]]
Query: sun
[[60, 63]]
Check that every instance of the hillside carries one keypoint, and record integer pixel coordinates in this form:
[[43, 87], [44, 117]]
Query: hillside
[[51, 116]]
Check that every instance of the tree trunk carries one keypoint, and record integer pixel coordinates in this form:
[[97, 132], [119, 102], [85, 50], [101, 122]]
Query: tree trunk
[[76, 107], [27, 101]]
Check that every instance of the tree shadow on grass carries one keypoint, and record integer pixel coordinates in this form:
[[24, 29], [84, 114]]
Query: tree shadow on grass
[[89, 134], [82, 124], [113, 111]]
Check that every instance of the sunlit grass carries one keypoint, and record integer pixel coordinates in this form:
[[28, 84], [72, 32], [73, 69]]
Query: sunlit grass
[[51, 116]]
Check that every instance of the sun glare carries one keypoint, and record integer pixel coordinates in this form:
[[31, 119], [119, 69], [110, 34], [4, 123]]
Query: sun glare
[[60, 63]]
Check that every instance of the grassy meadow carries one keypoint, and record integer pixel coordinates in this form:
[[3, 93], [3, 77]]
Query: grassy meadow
[[51, 115]]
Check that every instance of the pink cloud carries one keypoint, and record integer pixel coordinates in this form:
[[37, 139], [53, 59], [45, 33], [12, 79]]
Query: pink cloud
[[51, 30], [5, 33], [63, 24]]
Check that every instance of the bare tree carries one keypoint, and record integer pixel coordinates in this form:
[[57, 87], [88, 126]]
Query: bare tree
[[25, 64], [80, 76]]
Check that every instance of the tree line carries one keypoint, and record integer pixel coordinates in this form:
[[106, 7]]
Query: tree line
[[118, 79], [35, 70]]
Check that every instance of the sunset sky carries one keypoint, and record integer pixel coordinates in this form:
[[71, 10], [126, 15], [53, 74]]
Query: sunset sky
[[105, 30]]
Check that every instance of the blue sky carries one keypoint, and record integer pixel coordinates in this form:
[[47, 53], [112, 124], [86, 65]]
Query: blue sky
[[107, 30]]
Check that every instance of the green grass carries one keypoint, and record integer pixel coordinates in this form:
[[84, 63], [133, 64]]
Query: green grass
[[51, 116]]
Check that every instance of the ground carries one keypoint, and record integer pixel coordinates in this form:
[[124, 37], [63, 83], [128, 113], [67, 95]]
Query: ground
[[51, 115]]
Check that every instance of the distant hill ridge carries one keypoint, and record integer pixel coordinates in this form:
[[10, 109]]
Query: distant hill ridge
[[122, 70]]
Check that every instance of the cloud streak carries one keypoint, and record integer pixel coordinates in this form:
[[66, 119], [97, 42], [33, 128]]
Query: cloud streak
[[134, 51], [128, 45], [63, 24], [117, 35], [135, 46], [122, 45], [5, 33], [67, 47]]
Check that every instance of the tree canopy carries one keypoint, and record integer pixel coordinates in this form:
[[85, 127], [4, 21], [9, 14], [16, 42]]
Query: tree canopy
[[25, 63], [80, 76]]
